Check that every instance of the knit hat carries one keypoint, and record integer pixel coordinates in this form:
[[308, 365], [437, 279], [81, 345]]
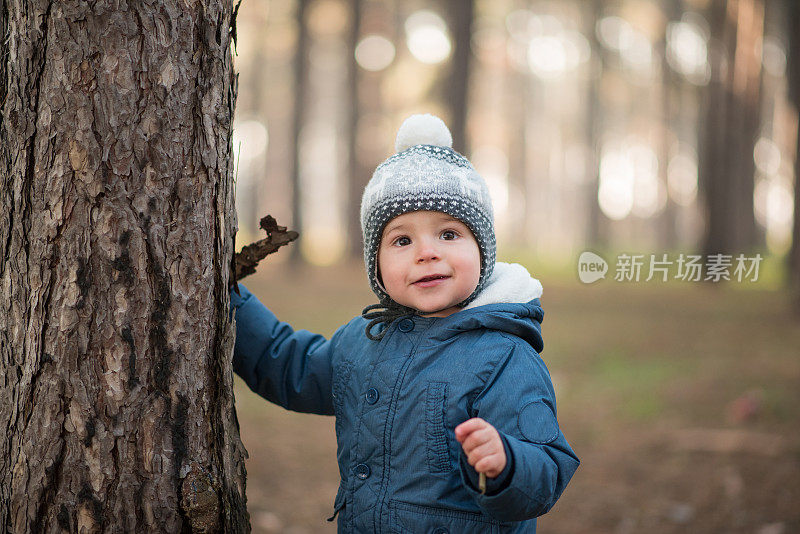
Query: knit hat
[[426, 174]]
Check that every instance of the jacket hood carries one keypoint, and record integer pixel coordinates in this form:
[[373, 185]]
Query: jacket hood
[[522, 319], [509, 303]]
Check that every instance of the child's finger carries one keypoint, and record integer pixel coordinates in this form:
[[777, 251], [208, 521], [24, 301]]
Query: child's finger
[[491, 465], [476, 439], [480, 452], [467, 427]]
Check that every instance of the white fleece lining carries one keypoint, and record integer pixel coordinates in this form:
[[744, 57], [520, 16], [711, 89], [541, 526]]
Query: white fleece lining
[[509, 282]]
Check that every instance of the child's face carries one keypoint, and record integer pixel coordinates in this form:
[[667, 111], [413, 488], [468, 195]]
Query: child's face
[[419, 245]]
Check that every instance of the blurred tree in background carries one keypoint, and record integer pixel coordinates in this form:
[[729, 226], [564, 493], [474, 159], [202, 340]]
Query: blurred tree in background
[[793, 18]]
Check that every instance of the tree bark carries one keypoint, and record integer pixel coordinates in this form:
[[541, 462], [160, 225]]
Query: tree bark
[[116, 238]]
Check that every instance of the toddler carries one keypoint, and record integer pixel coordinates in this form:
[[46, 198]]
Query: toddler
[[445, 413]]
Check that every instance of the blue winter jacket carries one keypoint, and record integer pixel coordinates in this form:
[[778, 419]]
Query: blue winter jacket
[[398, 401]]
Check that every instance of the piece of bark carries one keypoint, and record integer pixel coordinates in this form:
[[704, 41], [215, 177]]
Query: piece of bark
[[246, 261]]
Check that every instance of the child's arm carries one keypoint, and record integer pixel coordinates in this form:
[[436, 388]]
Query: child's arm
[[290, 368], [519, 402]]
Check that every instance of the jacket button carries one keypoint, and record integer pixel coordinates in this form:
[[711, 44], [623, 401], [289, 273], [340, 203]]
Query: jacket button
[[372, 395], [362, 471], [440, 530], [406, 325]]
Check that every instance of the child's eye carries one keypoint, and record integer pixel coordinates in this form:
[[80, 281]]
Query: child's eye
[[449, 235], [402, 241]]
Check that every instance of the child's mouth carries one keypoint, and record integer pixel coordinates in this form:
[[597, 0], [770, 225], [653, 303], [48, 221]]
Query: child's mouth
[[430, 281]]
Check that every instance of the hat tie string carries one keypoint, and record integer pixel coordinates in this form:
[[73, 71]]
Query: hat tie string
[[384, 313]]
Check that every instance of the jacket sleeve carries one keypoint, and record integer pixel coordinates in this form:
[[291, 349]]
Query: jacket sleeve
[[290, 368], [519, 401]]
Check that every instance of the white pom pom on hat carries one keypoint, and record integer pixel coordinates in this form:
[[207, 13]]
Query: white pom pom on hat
[[423, 129]]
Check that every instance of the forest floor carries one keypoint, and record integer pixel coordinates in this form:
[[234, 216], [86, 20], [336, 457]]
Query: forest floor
[[681, 399]]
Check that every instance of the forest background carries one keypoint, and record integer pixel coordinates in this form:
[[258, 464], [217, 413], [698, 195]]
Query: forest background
[[658, 136]]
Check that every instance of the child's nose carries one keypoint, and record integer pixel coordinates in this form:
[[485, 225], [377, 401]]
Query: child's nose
[[427, 251]]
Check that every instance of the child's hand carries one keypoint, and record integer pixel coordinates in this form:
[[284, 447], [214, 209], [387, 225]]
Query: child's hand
[[482, 445]]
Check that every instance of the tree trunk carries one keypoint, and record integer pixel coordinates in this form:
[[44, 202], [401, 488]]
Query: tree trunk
[[793, 75], [516, 110], [461, 14], [669, 128], [732, 125], [298, 120], [357, 178], [116, 235], [746, 104], [596, 222], [714, 168]]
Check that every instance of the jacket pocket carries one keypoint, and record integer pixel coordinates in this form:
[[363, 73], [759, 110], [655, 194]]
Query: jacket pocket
[[408, 518], [341, 380], [438, 450]]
